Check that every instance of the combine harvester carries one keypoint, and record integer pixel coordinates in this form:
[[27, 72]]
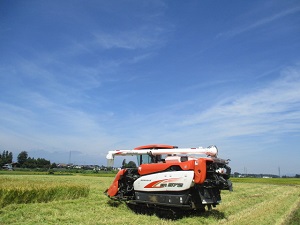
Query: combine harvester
[[169, 178]]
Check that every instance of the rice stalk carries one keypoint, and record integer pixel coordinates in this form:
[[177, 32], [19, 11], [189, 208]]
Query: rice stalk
[[14, 191]]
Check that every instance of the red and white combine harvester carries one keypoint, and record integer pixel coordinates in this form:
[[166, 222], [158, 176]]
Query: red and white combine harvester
[[172, 178]]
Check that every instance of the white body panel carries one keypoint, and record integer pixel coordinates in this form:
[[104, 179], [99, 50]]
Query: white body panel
[[166, 181]]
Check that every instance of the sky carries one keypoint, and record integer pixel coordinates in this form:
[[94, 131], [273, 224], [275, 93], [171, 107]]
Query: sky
[[79, 78]]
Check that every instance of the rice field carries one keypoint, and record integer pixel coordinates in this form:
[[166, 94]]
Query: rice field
[[17, 191], [251, 202]]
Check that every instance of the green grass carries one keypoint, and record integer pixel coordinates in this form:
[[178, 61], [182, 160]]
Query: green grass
[[279, 181], [250, 203]]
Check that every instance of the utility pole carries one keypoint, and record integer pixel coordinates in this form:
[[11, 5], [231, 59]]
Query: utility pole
[[245, 171], [69, 162], [279, 171]]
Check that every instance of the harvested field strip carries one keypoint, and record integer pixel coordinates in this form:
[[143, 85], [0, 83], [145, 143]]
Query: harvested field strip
[[269, 209], [294, 215], [16, 191], [262, 203], [248, 197]]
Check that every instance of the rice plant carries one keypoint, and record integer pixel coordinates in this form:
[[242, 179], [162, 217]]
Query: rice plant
[[16, 191]]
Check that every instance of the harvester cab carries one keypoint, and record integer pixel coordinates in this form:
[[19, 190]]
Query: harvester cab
[[169, 177]]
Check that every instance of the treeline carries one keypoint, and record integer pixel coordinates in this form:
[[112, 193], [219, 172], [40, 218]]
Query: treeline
[[24, 161], [236, 174], [5, 158], [27, 162]]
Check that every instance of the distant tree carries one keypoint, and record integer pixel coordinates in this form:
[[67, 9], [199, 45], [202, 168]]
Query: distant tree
[[30, 163], [42, 163], [5, 154], [236, 174], [1, 161], [36, 163], [297, 176], [10, 157], [22, 158], [5, 157]]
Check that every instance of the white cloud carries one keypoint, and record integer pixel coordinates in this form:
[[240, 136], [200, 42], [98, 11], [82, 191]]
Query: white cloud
[[266, 113], [272, 109], [123, 40], [262, 22]]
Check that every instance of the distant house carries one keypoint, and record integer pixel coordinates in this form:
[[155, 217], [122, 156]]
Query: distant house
[[78, 167], [62, 165], [8, 166]]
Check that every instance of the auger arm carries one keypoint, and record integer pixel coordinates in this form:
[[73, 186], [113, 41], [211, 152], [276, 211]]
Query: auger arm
[[209, 151]]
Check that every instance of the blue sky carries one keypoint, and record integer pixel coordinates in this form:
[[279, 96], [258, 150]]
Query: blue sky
[[87, 77]]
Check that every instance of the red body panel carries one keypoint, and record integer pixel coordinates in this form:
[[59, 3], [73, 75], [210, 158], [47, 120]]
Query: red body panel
[[200, 170], [199, 167], [161, 146], [113, 189], [157, 167]]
